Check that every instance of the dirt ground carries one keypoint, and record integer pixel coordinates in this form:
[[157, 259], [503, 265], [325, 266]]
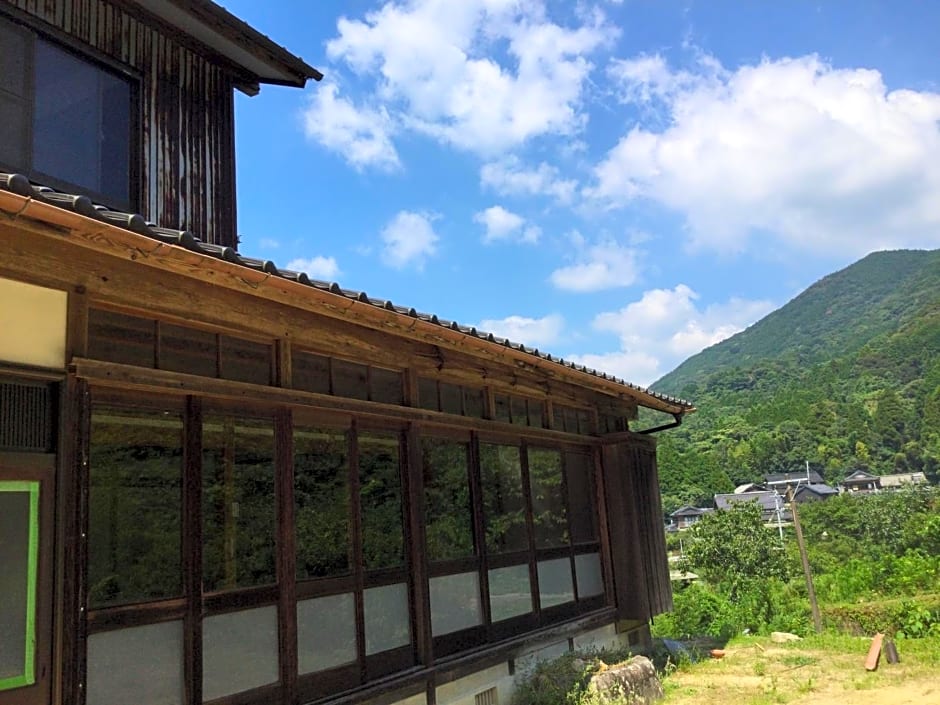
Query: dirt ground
[[824, 670]]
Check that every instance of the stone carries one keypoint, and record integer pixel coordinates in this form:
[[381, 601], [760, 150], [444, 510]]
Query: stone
[[634, 681], [783, 637]]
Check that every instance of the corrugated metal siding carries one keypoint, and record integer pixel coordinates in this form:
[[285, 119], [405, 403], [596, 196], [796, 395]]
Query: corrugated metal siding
[[187, 115]]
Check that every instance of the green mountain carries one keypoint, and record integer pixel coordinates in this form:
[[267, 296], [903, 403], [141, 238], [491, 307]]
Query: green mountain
[[844, 376]]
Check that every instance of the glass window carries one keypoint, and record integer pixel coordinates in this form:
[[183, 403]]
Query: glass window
[[81, 123], [19, 546], [239, 651], [350, 379], [555, 584], [427, 394], [510, 592], [587, 566], [134, 505], [473, 403], [548, 504], [310, 372], [388, 624], [501, 402], [536, 413], [503, 501], [380, 501], [520, 415], [14, 100], [237, 503], [188, 350], [117, 673], [579, 476], [326, 632], [117, 337], [386, 386], [245, 360], [455, 603], [322, 503], [451, 399], [449, 519]]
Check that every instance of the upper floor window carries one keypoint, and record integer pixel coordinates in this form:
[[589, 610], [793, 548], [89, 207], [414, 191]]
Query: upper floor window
[[64, 121]]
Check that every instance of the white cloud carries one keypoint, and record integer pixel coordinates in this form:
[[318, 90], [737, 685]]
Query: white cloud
[[409, 239], [318, 267], [606, 265], [826, 160], [447, 80], [360, 134], [665, 327], [501, 224], [530, 331], [509, 177]]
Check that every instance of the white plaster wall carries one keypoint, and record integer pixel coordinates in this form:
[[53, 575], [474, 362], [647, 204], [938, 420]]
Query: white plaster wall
[[32, 324]]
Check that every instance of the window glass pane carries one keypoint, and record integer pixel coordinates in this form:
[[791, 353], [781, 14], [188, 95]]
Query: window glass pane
[[350, 379], [555, 586], [536, 413], [81, 123], [245, 360], [18, 554], [520, 415], [386, 617], [385, 386], [13, 123], [571, 420], [502, 407], [239, 651], [310, 372], [510, 592], [587, 566], [548, 506], [14, 45], [449, 520], [558, 417], [134, 505], [117, 337], [451, 399], [188, 350], [118, 672], [427, 394], [380, 501], [455, 603], [585, 422], [237, 503], [321, 500], [503, 502], [326, 633], [473, 404], [579, 470]]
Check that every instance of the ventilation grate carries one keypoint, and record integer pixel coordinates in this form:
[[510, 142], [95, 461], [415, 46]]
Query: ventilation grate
[[487, 697], [26, 419]]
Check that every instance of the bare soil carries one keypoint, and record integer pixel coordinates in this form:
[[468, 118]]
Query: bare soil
[[821, 670]]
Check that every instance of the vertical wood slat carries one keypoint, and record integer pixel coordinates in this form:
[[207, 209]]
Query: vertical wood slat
[[418, 561], [187, 150], [479, 531], [603, 525], [530, 529]]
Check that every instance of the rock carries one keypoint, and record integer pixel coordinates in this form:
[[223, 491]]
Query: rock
[[633, 681], [783, 637]]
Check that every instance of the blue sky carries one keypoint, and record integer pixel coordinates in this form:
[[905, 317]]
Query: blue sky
[[619, 183]]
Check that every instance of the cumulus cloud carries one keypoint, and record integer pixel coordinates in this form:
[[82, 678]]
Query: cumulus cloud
[[409, 239], [361, 135], [510, 177], [605, 265], [447, 81], [501, 224], [664, 327], [317, 267], [530, 331], [824, 160]]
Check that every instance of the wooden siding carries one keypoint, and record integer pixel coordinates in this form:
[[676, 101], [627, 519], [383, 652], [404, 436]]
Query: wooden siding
[[186, 114]]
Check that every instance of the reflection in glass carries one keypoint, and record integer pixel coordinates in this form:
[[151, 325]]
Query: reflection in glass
[[380, 501], [579, 477], [503, 502], [239, 651], [321, 498], [134, 505], [447, 499], [120, 673], [587, 566], [555, 586], [386, 617], [237, 502], [510, 592], [455, 603], [548, 503], [19, 508], [326, 633]]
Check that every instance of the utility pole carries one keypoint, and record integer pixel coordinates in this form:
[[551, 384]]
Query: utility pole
[[810, 590]]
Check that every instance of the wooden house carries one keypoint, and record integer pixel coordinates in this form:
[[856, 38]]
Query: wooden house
[[223, 482], [862, 482]]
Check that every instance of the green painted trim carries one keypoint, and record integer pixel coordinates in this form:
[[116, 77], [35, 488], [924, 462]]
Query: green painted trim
[[28, 676]]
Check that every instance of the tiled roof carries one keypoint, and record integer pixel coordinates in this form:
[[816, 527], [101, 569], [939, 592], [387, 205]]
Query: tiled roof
[[766, 500], [19, 184]]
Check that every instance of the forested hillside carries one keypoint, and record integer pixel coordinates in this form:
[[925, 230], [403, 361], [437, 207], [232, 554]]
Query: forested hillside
[[845, 376]]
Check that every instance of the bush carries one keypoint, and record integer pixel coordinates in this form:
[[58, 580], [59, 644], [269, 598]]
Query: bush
[[914, 617]]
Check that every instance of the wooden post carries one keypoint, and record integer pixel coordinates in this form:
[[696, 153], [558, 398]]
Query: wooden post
[[810, 590]]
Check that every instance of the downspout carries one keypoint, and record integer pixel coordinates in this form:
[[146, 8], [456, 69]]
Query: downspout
[[656, 429]]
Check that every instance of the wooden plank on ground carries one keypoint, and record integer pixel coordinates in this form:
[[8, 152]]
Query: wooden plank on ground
[[874, 652]]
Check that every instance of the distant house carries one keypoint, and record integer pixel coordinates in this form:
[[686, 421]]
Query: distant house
[[897, 482], [814, 493], [770, 503], [686, 516], [861, 481], [786, 480]]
